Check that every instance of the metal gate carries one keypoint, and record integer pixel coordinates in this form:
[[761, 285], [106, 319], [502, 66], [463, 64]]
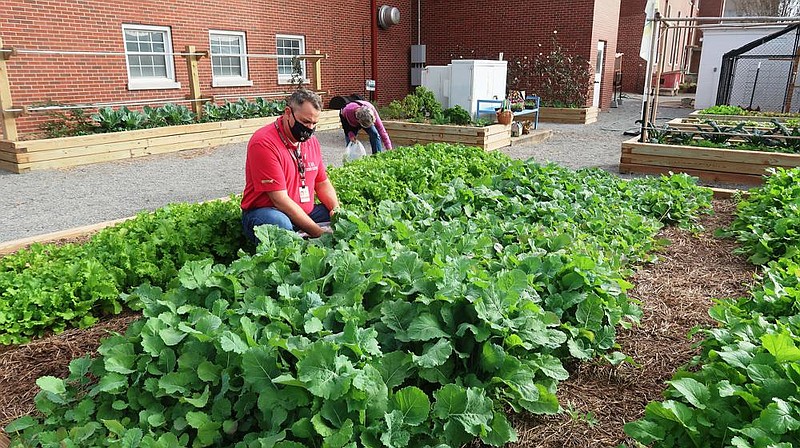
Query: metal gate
[[762, 75]]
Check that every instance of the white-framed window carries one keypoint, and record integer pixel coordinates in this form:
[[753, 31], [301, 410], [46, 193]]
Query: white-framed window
[[149, 58], [288, 45], [228, 59]]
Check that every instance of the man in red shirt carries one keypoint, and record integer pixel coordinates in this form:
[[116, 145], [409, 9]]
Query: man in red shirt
[[284, 172]]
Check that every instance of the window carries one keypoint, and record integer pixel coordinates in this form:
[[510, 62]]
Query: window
[[290, 45], [228, 59], [149, 57]]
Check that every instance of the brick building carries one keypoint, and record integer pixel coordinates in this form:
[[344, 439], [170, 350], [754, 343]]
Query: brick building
[[677, 51], [137, 42], [469, 29], [148, 31]]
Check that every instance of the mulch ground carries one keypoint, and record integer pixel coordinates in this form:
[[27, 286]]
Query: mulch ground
[[598, 399]]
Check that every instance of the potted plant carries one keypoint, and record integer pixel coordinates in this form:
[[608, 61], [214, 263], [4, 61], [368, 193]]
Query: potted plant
[[517, 99], [504, 114]]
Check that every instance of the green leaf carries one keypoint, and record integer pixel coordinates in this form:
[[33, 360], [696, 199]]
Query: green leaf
[[195, 274], [413, 404], [395, 435], [395, 367], [502, 432], [313, 325], [469, 407], [645, 431], [111, 383], [199, 401], [171, 336], [550, 366], [325, 373], [590, 313], [781, 346], [260, 368], [424, 328], [777, 417], [434, 354], [51, 384], [232, 342], [21, 424], [695, 392], [340, 437]]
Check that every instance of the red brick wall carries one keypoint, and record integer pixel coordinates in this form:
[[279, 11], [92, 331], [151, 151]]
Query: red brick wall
[[394, 54], [472, 29], [631, 25], [606, 13], [95, 25]]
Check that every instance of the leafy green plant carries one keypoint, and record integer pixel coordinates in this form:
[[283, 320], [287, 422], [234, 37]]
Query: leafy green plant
[[741, 390], [421, 105], [767, 224], [174, 115], [720, 135], [431, 309], [724, 109], [394, 111], [457, 115]]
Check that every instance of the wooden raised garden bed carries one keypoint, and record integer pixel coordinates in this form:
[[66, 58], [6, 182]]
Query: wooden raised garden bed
[[565, 115], [709, 164], [27, 155], [488, 137], [700, 116]]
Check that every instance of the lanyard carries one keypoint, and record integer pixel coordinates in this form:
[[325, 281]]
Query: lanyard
[[296, 154]]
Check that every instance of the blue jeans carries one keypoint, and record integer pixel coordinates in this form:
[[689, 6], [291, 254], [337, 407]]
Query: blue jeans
[[372, 132], [271, 215]]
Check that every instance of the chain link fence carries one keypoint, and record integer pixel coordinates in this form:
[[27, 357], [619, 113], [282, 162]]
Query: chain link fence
[[762, 75]]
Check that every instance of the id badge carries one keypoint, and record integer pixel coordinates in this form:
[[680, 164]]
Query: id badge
[[304, 194]]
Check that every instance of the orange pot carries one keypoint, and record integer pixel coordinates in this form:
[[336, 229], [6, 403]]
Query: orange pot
[[504, 116]]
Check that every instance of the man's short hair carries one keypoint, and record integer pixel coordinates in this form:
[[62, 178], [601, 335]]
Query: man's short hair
[[300, 96], [365, 117]]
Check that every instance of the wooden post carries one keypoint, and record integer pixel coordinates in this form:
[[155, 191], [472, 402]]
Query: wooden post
[[787, 103], [194, 79], [318, 72], [9, 118]]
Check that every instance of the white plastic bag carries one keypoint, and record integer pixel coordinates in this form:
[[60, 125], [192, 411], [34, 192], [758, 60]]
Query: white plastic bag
[[354, 150]]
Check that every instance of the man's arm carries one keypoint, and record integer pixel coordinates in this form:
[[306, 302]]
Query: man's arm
[[282, 201], [327, 195]]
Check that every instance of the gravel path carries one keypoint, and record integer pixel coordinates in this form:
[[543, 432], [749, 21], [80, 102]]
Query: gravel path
[[53, 200]]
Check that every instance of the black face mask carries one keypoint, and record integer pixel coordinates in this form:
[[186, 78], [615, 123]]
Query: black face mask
[[300, 132]]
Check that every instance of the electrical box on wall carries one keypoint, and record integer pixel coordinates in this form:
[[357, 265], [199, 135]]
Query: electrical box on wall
[[416, 76], [418, 54]]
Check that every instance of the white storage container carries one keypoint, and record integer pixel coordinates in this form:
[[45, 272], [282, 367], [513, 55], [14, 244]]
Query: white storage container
[[476, 79], [465, 81]]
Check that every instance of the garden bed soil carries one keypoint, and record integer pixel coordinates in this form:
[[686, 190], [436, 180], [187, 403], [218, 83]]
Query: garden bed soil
[[598, 399], [566, 115], [709, 164], [28, 155], [489, 138]]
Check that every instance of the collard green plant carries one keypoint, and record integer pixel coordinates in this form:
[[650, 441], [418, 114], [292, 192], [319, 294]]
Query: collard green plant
[[720, 135], [416, 323]]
